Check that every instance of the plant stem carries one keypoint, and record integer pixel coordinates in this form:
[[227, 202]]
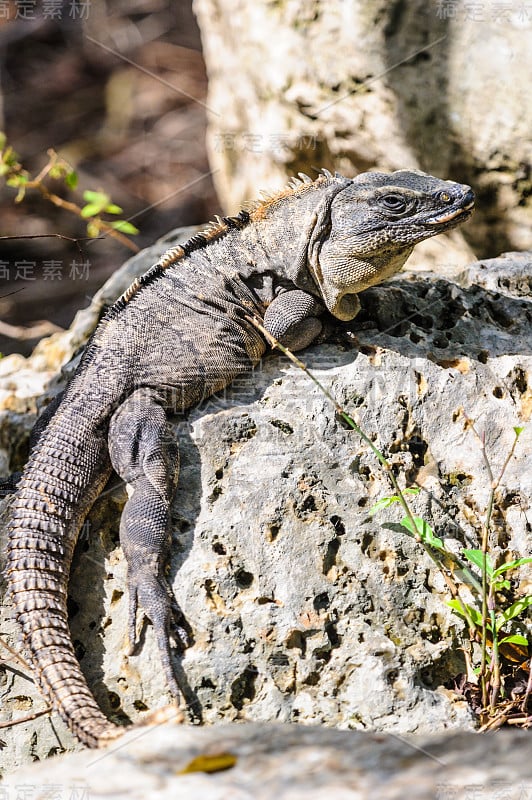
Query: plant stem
[[342, 413], [528, 690], [438, 555], [495, 664], [488, 599], [435, 555], [54, 160]]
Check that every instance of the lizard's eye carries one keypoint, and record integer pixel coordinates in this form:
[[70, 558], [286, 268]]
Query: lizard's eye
[[444, 197], [394, 202]]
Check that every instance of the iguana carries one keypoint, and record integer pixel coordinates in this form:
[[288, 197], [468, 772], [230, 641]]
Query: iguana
[[179, 333]]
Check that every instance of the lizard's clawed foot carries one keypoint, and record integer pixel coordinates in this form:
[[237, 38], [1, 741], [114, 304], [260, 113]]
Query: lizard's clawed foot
[[154, 596]]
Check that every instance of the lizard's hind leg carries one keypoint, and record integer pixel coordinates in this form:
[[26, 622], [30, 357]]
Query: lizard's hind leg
[[145, 454]]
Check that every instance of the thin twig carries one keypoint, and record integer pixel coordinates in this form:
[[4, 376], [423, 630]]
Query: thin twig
[[528, 690], [55, 161], [75, 240], [27, 718], [484, 569], [440, 556], [9, 294], [75, 209], [15, 655]]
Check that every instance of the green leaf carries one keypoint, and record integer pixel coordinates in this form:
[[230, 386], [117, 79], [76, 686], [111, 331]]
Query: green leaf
[[514, 610], [3, 140], [10, 157], [498, 585], [93, 230], [96, 197], [96, 202], [384, 502], [112, 208], [511, 565], [90, 210], [515, 639], [123, 226], [473, 612], [423, 530], [518, 430], [71, 179], [465, 575], [56, 172], [476, 557]]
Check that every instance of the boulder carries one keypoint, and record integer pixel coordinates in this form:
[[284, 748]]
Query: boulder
[[360, 85], [304, 607], [260, 761]]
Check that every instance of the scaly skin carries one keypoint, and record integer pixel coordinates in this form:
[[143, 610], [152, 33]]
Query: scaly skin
[[178, 334]]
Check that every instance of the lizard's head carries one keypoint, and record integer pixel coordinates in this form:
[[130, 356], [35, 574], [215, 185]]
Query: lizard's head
[[367, 230]]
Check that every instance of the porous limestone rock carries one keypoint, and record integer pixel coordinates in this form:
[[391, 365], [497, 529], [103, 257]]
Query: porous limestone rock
[[304, 607]]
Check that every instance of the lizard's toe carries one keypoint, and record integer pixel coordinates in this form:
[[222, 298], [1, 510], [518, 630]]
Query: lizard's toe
[[180, 630], [153, 594]]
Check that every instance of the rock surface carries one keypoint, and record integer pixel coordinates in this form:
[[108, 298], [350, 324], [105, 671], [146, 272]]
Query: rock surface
[[304, 607], [262, 762], [356, 85]]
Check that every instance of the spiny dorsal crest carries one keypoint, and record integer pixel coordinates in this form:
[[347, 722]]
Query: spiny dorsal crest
[[295, 186], [253, 211]]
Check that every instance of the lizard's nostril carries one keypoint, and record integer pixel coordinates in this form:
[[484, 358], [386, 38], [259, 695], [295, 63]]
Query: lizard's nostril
[[469, 198]]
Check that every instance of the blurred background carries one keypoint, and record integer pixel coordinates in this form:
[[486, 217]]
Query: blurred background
[[119, 89], [136, 131]]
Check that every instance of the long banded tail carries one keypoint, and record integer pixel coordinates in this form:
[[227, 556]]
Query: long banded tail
[[56, 491]]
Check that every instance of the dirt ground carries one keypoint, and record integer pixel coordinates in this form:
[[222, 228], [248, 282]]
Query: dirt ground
[[118, 89]]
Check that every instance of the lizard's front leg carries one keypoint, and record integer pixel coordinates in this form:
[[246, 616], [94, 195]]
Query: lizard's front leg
[[145, 454], [293, 318]]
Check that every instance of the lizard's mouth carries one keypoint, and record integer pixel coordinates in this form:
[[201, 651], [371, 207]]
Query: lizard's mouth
[[458, 214]]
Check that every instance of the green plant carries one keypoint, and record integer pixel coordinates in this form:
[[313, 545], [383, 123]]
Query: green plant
[[99, 203], [96, 202], [497, 619], [493, 612]]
